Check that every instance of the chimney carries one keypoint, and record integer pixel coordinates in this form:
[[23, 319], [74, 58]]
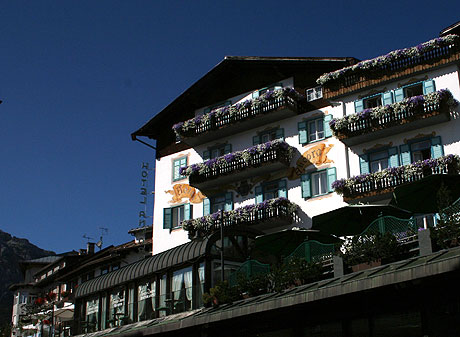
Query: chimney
[[90, 248]]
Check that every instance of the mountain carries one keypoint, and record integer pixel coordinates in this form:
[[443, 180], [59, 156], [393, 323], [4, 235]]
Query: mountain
[[13, 250]]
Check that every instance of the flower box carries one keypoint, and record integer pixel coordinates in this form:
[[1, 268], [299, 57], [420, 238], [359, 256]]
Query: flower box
[[375, 123], [271, 106], [397, 63], [373, 183], [251, 215]]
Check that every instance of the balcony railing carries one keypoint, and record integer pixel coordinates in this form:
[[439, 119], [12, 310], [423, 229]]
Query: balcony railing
[[254, 161], [398, 63], [371, 184], [270, 213], [411, 113], [271, 106]]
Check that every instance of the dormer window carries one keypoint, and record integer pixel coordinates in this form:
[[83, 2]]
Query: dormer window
[[314, 93]]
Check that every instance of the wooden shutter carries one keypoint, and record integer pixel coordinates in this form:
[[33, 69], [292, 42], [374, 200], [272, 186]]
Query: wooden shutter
[[167, 218], [393, 158], [206, 206], [282, 190], [399, 95], [359, 105], [256, 140], [228, 201], [326, 127], [306, 185], [280, 134], [206, 155], [364, 163], [436, 147], [404, 151], [387, 98], [259, 194], [428, 87], [227, 148], [188, 211], [331, 177]]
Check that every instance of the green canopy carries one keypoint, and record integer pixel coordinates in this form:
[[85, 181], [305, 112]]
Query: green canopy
[[422, 196], [353, 219]]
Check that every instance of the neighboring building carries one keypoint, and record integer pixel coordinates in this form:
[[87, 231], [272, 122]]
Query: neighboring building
[[47, 293], [260, 145]]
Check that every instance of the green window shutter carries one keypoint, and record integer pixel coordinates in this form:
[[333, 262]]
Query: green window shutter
[[227, 148], [393, 158], [280, 134], [364, 163], [282, 189], [326, 127], [227, 103], [399, 95], [167, 218], [206, 206], [331, 177], [306, 185], [303, 135], [387, 98], [188, 211], [436, 147], [359, 105], [255, 140], [428, 87], [206, 155], [228, 201], [259, 194], [255, 94], [207, 110], [183, 162], [405, 154]]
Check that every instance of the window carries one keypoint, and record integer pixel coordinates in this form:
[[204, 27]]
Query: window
[[378, 160], [314, 93], [217, 203], [182, 289], [177, 164], [317, 183], [271, 190], [260, 92], [315, 129], [414, 89], [421, 149], [216, 106], [217, 151], [268, 135], [372, 102], [172, 217]]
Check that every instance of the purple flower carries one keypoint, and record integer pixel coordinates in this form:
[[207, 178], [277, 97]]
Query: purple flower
[[229, 157], [178, 125]]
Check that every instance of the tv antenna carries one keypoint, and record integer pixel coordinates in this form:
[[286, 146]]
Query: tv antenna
[[87, 237], [104, 231]]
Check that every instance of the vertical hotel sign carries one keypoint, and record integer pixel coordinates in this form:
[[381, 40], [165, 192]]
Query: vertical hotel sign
[[144, 194]]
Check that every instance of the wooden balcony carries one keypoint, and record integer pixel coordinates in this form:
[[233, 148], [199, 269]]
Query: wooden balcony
[[238, 168], [248, 116], [379, 185], [410, 118], [402, 67], [269, 214]]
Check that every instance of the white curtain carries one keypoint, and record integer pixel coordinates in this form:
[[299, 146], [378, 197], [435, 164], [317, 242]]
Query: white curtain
[[177, 284], [188, 283], [153, 290], [163, 291], [141, 298]]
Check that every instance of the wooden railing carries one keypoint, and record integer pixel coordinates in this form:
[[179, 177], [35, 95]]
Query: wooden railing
[[403, 67], [238, 164], [244, 113], [246, 217], [409, 114]]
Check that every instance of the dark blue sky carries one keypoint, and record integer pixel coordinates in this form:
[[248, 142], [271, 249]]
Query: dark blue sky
[[77, 77]]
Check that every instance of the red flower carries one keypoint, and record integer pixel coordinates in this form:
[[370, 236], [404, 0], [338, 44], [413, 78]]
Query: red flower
[[39, 301], [46, 322], [50, 296]]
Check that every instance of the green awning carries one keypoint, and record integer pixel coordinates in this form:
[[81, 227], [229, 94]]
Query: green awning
[[422, 196], [353, 219]]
